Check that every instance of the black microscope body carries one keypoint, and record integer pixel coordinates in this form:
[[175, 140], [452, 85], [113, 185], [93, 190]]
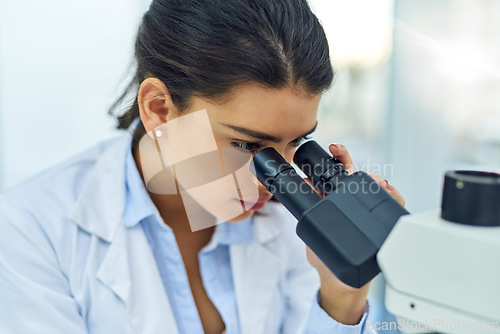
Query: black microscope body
[[347, 226]]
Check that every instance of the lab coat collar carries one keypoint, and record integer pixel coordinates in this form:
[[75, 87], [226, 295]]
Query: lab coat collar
[[99, 208], [129, 270], [128, 266], [266, 226], [257, 269]]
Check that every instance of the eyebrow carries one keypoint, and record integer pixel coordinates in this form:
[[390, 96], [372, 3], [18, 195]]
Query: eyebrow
[[264, 136]]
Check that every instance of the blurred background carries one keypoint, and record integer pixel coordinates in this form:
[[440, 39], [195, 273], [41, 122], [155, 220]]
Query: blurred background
[[417, 88]]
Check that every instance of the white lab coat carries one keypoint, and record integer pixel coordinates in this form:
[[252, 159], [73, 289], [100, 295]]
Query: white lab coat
[[69, 265]]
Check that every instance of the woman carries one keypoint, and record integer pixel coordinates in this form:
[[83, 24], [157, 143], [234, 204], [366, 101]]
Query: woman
[[105, 243]]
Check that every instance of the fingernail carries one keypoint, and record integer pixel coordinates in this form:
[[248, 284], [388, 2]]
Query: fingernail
[[389, 186], [336, 145]]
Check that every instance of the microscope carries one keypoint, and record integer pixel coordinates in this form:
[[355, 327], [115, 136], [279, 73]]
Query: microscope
[[442, 267]]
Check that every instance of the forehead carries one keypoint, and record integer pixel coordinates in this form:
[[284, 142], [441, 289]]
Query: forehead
[[279, 112]]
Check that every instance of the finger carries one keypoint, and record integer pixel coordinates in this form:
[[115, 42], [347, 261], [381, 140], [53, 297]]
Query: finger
[[389, 188], [383, 183], [340, 152], [398, 197], [377, 178]]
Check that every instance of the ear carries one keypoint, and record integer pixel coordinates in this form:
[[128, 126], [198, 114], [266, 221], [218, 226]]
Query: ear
[[155, 103]]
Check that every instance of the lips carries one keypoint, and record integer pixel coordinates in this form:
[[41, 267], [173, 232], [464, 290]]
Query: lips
[[254, 205]]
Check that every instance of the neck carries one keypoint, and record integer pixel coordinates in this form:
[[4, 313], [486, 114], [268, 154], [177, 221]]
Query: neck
[[173, 212]]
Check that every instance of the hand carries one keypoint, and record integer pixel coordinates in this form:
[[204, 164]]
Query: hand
[[342, 302]]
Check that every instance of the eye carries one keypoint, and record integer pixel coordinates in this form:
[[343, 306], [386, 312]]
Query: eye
[[298, 141], [247, 147], [251, 147]]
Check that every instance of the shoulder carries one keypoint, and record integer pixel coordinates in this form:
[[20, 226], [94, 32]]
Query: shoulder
[[63, 182], [49, 196]]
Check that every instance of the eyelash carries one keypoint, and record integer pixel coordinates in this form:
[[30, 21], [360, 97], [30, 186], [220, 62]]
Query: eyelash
[[254, 147]]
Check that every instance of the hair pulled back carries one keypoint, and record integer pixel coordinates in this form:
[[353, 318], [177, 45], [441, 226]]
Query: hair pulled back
[[206, 48]]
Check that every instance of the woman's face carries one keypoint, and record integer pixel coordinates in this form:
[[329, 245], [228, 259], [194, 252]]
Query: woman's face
[[255, 117], [250, 119]]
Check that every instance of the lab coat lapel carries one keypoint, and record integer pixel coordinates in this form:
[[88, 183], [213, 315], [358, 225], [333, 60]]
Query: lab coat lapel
[[128, 267], [130, 271], [256, 272]]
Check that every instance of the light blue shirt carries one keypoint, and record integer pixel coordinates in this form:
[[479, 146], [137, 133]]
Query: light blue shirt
[[213, 260]]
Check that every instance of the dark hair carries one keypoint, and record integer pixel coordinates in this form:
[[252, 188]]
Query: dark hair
[[206, 48]]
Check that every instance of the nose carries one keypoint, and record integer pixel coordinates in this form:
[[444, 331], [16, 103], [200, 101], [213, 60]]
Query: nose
[[288, 155], [286, 151]]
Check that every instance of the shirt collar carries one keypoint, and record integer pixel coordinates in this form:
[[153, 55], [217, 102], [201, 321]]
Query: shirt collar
[[138, 204]]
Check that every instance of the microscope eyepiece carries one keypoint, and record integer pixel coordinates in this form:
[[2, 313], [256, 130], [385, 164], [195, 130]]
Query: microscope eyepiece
[[268, 165], [323, 170], [281, 179]]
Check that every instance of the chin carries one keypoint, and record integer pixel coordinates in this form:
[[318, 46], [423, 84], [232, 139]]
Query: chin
[[243, 216]]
